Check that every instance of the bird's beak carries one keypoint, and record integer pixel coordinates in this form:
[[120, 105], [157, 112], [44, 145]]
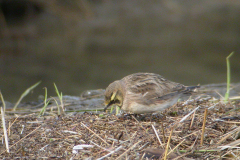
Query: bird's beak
[[109, 104]]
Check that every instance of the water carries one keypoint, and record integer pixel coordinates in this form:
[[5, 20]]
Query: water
[[184, 43]]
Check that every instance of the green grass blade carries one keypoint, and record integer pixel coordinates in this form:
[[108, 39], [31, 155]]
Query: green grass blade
[[59, 112], [56, 89], [3, 102], [45, 103], [228, 77], [60, 96], [44, 108], [25, 93]]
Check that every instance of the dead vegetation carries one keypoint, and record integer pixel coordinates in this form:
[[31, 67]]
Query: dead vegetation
[[198, 128]]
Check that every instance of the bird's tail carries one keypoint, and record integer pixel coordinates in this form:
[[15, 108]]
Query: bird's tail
[[192, 87]]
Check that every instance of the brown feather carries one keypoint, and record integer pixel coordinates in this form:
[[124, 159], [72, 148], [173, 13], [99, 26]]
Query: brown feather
[[144, 92]]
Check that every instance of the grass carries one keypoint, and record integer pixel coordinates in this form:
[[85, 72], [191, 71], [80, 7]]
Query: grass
[[60, 96], [116, 108], [45, 103], [228, 77], [5, 130], [3, 102], [25, 93]]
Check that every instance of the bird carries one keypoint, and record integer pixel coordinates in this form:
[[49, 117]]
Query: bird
[[141, 93]]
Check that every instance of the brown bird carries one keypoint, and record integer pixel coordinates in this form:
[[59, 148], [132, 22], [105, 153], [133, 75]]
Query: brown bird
[[144, 93]]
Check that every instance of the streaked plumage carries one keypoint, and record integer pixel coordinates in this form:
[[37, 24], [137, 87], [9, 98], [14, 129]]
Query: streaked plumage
[[144, 93]]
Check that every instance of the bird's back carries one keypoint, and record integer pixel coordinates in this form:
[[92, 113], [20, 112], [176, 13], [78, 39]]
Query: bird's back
[[151, 85]]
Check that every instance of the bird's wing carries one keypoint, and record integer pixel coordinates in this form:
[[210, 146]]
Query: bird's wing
[[151, 85]]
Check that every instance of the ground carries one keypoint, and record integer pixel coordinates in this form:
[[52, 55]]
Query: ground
[[210, 131]]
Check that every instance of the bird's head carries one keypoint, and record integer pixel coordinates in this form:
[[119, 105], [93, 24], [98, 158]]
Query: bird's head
[[114, 95]]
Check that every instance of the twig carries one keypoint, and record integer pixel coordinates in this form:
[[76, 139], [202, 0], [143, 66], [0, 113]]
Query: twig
[[229, 153], [203, 127], [42, 149], [190, 134], [22, 138], [139, 123], [116, 140], [157, 135], [183, 155], [143, 146], [193, 117], [163, 132], [231, 122], [5, 130], [185, 117], [133, 135], [100, 146], [230, 145], [176, 147], [168, 144], [129, 138], [228, 135], [213, 105], [133, 146], [143, 156], [10, 126], [94, 133], [194, 142], [22, 129], [110, 153]]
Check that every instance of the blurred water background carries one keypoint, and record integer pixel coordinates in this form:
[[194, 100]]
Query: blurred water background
[[86, 44]]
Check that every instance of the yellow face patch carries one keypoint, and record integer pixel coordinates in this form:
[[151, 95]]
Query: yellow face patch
[[113, 96]]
